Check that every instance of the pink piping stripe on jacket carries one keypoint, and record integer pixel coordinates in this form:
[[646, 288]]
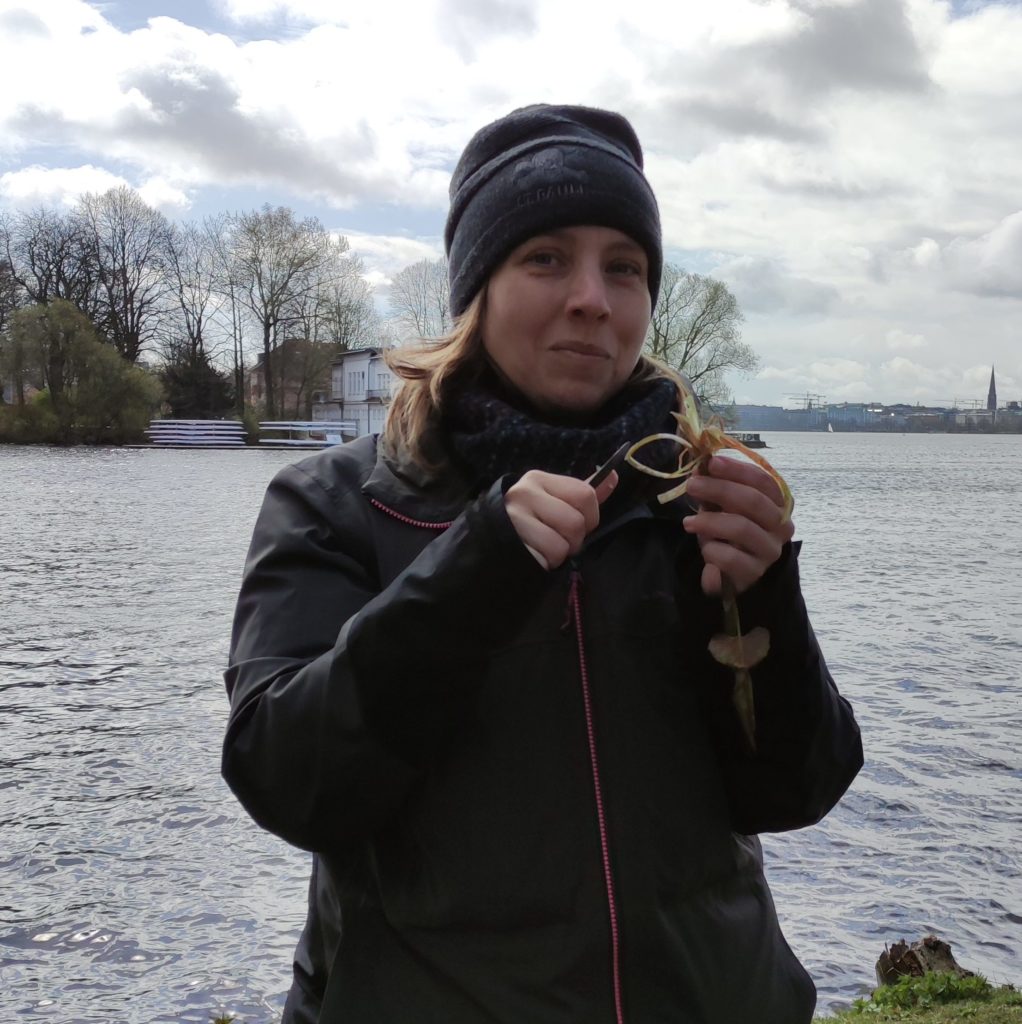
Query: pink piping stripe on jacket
[[575, 606], [608, 877]]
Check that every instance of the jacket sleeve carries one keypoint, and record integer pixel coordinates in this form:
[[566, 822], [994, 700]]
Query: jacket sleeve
[[341, 692], [808, 748]]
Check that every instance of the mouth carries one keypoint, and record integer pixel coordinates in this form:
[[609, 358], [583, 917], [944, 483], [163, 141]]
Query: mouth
[[581, 348]]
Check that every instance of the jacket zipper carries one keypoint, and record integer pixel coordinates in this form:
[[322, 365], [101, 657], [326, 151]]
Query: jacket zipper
[[575, 615], [575, 611], [423, 523]]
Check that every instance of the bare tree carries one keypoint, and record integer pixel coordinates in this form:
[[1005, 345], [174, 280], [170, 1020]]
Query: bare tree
[[12, 368], [190, 336], [131, 244], [347, 314], [696, 328], [420, 299], [228, 285], [9, 292], [336, 316], [192, 270], [51, 257], [276, 260]]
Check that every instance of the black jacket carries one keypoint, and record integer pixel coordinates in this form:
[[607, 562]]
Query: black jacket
[[526, 791]]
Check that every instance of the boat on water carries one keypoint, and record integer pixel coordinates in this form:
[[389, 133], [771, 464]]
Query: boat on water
[[750, 440]]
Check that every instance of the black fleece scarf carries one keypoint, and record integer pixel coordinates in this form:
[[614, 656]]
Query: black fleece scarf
[[492, 434]]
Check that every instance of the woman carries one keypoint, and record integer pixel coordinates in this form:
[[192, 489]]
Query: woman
[[478, 688]]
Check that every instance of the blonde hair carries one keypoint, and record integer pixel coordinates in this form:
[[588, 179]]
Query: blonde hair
[[429, 370], [432, 369]]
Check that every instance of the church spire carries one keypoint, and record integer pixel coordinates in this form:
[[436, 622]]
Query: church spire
[[992, 393]]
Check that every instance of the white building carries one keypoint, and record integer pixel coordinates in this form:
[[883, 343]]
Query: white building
[[360, 391]]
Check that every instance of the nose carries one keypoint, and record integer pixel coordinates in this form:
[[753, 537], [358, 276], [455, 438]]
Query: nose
[[587, 295]]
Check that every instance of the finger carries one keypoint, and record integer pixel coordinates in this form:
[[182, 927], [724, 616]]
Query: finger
[[565, 519], [742, 569], [737, 498], [711, 581], [539, 556], [547, 546], [739, 532], [738, 470], [576, 494], [606, 488]]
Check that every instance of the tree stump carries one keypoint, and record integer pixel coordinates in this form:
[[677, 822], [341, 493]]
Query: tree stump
[[928, 955]]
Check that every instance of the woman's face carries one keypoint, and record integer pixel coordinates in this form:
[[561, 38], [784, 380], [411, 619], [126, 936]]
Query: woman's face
[[566, 315]]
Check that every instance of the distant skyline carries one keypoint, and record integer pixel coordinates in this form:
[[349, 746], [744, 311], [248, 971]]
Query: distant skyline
[[850, 168]]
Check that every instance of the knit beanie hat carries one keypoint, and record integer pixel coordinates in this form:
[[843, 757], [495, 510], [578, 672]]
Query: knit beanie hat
[[540, 168]]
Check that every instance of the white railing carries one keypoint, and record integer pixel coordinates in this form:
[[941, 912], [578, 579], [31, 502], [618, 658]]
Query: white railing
[[307, 433], [196, 433]]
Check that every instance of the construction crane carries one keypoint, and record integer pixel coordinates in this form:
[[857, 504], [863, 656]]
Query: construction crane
[[809, 401], [960, 403]]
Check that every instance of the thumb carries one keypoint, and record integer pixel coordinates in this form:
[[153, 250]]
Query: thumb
[[606, 487], [711, 581]]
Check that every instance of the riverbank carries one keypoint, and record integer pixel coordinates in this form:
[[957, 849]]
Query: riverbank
[[936, 999]]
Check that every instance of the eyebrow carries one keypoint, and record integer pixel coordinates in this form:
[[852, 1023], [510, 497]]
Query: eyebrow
[[560, 233]]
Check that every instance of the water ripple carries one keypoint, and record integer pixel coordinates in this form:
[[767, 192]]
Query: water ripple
[[133, 887]]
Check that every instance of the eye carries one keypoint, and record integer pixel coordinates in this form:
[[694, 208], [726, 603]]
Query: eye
[[627, 267], [541, 258]]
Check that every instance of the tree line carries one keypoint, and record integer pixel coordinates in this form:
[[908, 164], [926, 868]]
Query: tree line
[[191, 304], [109, 310]]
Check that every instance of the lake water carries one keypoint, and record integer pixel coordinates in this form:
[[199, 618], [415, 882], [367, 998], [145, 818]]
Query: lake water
[[133, 888]]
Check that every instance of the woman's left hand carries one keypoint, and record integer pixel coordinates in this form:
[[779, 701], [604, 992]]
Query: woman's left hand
[[743, 534]]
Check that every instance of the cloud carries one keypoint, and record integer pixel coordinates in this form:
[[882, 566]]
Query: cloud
[[746, 117], [916, 381], [836, 380], [978, 376], [196, 115], [926, 255], [864, 44], [761, 286], [898, 340], [466, 23], [162, 195], [64, 186], [19, 21], [856, 161], [987, 264], [312, 11], [60, 186], [992, 263], [787, 373], [837, 371], [385, 255]]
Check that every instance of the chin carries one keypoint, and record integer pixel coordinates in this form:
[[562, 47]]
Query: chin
[[576, 404]]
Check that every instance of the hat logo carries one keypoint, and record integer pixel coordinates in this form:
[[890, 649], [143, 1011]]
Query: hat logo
[[547, 174]]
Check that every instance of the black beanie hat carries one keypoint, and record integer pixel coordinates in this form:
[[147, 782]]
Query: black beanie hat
[[539, 168]]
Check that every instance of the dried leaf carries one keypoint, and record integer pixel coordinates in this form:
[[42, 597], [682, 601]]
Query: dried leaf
[[741, 651]]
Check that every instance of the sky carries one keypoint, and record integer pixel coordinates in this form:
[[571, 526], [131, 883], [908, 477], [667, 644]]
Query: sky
[[852, 169]]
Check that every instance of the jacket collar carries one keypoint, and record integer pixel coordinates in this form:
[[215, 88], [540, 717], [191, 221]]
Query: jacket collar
[[426, 493], [439, 493]]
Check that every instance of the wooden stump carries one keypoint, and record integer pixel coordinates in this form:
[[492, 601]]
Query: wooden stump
[[928, 955]]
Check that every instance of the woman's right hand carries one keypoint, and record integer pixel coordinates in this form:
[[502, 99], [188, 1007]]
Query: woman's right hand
[[554, 514]]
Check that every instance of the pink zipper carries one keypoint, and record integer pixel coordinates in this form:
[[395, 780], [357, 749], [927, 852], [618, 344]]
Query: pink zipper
[[425, 524], [575, 604]]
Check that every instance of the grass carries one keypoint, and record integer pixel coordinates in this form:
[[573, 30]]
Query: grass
[[931, 999], [936, 999]]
